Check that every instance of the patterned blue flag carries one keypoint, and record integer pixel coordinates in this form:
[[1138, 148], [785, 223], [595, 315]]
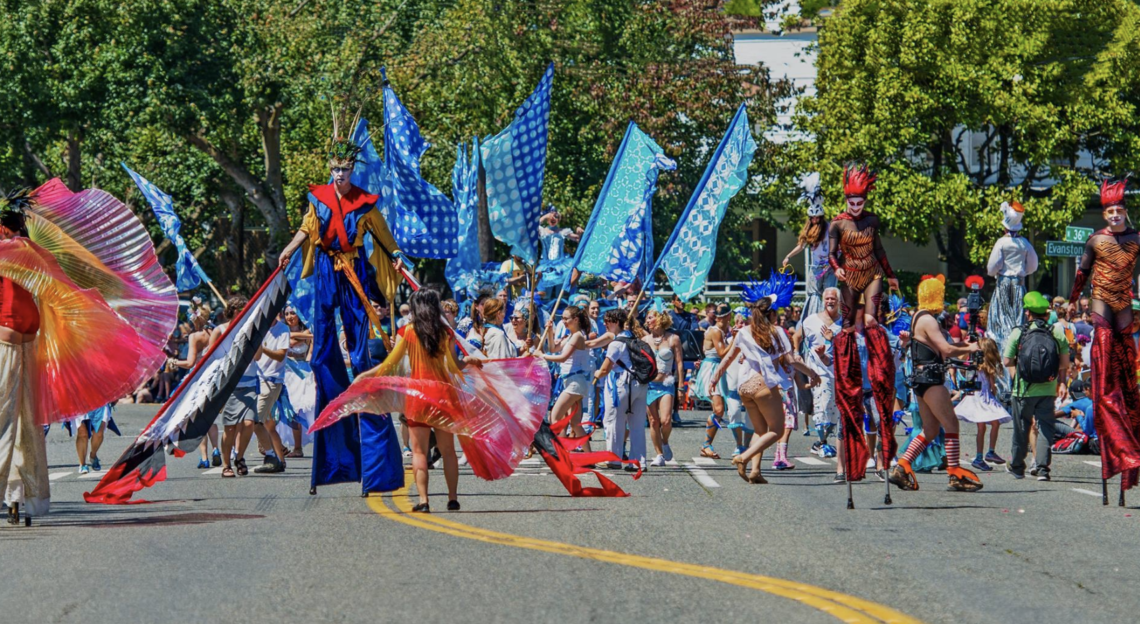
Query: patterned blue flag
[[515, 162], [618, 241], [188, 275], [462, 268], [690, 251], [369, 175], [406, 189]]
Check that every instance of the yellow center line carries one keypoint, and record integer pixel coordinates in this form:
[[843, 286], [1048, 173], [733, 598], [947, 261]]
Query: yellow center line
[[841, 606]]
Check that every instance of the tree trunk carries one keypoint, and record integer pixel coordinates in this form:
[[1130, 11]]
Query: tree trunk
[[32, 164], [482, 216], [269, 121], [74, 163]]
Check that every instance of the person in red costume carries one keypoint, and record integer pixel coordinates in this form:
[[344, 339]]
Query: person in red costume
[[856, 255], [1110, 260], [23, 452]]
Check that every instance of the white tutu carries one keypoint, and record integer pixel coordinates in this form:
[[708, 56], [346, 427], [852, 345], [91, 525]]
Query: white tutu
[[977, 408]]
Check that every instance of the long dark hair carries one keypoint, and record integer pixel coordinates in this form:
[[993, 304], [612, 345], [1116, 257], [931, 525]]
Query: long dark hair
[[427, 316], [580, 315], [812, 232]]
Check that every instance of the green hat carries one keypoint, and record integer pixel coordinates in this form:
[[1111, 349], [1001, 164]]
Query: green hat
[[1035, 302]]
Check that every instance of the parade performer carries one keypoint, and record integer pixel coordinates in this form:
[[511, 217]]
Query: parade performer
[[716, 342], [765, 348], [856, 255], [1012, 259], [555, 262], [331, 239], [929, 351], [64, 350], [494, 406], [814, 238], [1110, 260]]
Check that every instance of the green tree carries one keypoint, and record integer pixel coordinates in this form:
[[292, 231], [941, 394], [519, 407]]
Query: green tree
[[901, 83]]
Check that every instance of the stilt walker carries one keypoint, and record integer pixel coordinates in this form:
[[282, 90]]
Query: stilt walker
[[331, 239], [860, 264], [1110, 260], [1012, 259]]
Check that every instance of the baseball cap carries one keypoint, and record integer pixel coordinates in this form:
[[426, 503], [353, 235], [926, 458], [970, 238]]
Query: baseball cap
[[1035, 302]]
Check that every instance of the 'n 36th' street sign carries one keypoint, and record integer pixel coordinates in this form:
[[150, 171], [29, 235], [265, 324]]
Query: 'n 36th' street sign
[[1064, 249]]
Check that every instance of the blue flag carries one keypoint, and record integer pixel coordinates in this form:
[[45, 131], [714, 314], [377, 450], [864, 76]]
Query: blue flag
[[618, 241], [406, 190], [515, 162], [464, 178], [188, 275], [369, 175], [690, 251]]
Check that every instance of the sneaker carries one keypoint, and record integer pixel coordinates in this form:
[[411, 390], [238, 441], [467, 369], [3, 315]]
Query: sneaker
[[216, 458], [203, 464], [272, 465], [407, 452], [1034, 471], [739, 450], [962, 484], [902, 478], [84, 469], [829, 451], [871, 464], [463, 460], [839, 478], [613, 465], [994, 458], [981, 465], [817, 448], [658, 461], [1014, 473], [668, 453], [807, 433], [95, 465], [1043, 475], [630, 468], [779, 465], [882, 476]]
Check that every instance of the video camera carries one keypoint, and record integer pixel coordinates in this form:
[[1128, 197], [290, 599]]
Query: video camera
[[974, 303]]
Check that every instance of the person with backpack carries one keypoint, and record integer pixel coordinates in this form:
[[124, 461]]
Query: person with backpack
[[628, 367], [1037, 357]]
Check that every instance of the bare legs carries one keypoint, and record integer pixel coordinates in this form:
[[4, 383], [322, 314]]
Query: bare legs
[[445, 441], [81, 441], [661, 422], [565, 403]]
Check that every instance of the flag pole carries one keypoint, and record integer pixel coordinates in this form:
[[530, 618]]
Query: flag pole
[[216, 293]]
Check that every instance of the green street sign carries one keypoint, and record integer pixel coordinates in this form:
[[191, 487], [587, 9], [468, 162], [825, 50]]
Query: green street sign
[[1064, 249], [1075, 234]]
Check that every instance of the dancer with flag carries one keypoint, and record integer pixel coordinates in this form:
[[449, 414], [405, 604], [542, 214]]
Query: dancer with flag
[[84, 311], [1109, 260], [860, 264], [331, 240]]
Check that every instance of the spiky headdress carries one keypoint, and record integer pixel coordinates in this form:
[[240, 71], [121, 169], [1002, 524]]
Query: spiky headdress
[[858, 181], [897, 319], [779, 287], [1112, 193], [12, 208], [812, 194], [343, 151]]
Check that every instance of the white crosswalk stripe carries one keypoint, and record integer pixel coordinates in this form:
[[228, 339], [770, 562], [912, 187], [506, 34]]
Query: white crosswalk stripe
[[811, 461], [56, 476], [704, 461], [701, 476]]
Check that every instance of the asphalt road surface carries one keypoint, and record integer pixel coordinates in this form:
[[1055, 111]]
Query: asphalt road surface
[[693, 543]]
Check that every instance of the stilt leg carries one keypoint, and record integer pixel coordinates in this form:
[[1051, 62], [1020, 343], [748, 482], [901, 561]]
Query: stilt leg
[[313, 491], [1104, 492], [850, 500]]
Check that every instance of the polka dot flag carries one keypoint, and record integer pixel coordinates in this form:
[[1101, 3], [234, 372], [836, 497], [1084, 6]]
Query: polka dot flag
[[515, 161], [422, 219]]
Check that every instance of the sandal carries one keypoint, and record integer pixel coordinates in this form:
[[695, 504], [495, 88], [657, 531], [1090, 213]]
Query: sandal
[[242, 469], [295, 454], [708, 451], [228, 473], [757, 479], [740, 468], [422, 508]]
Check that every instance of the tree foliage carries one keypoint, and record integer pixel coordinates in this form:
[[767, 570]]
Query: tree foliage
[[1045, 84], [226, 104]]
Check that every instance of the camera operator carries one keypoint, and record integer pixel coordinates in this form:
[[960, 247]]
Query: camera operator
[[1035, 365], [930, 352]]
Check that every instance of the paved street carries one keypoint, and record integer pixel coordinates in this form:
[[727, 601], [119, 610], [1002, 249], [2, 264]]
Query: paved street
[[692, 543]]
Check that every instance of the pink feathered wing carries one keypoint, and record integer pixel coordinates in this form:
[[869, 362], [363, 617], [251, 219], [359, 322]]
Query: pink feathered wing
[[495, 410]]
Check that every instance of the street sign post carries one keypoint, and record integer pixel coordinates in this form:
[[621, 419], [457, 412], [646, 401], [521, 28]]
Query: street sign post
[[1064, 249], [1075, 234]]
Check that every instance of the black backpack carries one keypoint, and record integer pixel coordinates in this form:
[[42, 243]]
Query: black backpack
[[642, 360], [691, 342], [1037, 357]]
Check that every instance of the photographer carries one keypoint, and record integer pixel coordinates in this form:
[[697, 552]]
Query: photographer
[[929, 354], [1035, 365]]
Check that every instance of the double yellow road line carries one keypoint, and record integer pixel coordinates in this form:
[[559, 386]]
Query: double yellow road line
[[398, 507]]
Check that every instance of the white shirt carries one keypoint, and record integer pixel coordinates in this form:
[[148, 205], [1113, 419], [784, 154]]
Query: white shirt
[[813, 337], [270, 370], [757, 361], [618, 353], [496, 344], [1012, 256]]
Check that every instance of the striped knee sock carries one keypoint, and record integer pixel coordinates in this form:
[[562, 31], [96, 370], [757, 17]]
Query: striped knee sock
[[952, 450], [916, 446]]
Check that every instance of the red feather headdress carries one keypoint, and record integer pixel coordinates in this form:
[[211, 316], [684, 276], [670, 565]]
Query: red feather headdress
[[1112, 193], [858, 181]]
